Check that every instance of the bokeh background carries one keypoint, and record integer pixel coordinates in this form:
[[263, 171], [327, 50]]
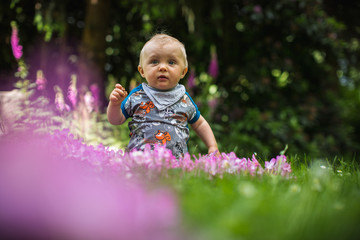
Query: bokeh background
[[265, 74]]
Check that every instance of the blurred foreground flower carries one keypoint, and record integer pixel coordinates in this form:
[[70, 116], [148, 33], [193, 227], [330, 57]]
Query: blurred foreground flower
[[47, 193]]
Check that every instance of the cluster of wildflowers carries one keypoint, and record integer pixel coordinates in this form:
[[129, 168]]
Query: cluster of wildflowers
[[160, 159], [278, 165], [229, 163], [90, 98]]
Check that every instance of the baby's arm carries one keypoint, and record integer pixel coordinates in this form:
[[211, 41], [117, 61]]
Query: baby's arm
[[114, 113], [203, 130]]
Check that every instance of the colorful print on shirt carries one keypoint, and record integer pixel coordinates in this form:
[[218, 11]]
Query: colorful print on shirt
[[149, 125]]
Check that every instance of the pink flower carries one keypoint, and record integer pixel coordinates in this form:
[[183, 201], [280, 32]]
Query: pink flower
[[40, 80], [241, 164], [270, 166], [285, 169], [254, 166], [16, 48]]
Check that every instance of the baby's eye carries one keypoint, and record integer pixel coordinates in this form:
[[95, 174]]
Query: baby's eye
[[154, 61], [172, 62]]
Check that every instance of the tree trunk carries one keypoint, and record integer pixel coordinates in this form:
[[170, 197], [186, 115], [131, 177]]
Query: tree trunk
[[92, 48]]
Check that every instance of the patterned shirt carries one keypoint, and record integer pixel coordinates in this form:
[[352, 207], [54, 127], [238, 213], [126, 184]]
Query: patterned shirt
[[151, 126]]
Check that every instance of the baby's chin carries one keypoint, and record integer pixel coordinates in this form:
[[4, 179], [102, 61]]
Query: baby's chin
[[163, 87]]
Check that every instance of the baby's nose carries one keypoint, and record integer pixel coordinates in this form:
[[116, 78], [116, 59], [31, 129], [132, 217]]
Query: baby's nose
[[162, 67]]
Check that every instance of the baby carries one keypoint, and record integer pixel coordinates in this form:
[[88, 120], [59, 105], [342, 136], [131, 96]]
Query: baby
[[161, 109]]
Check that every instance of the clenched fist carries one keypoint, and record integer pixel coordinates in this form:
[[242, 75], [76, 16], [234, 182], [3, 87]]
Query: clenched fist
[[118, 95]]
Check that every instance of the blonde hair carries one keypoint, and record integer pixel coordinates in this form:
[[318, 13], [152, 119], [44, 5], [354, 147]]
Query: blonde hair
[[163, 39]]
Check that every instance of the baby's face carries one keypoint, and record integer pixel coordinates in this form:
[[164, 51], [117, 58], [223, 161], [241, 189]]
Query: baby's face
[[163, 65]]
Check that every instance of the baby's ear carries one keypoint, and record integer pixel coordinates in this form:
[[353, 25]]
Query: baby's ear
[[184, 72], [141, 71]]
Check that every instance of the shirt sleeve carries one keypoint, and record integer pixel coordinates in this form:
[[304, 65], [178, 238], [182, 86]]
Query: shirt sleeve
[[196, 114], [126, 106]]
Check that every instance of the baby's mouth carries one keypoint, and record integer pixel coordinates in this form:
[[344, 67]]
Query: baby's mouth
[[162, 77]]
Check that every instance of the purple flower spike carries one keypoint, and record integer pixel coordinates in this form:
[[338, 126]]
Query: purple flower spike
[[95, 91], [89, 101], [16, 48], [257, 9], [59, 100], [72, 91], [40, 80], [213, 66], [191, 79]]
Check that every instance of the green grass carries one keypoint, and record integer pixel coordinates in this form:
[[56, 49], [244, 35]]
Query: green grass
[[320, 201]]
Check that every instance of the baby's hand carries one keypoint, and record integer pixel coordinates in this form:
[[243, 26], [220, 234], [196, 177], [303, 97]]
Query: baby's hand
[[214, 150], [118, 94]]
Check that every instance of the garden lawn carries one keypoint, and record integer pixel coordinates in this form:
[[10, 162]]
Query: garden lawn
[[318, 202]]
